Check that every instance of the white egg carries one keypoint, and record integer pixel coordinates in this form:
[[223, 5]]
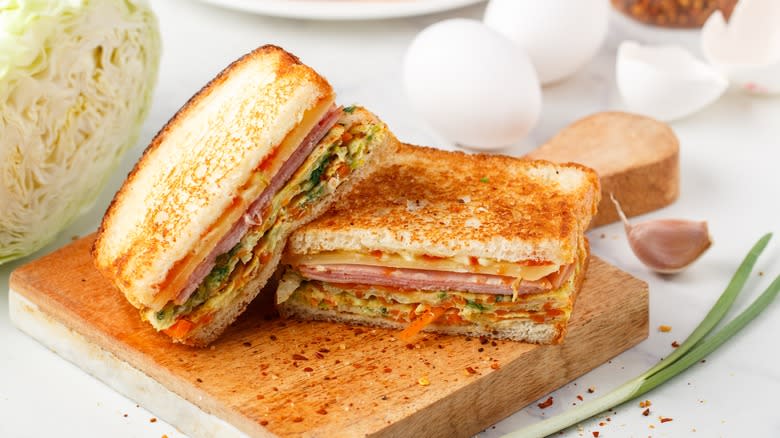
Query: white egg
[[665, 82], [560, 36], [472, 85]]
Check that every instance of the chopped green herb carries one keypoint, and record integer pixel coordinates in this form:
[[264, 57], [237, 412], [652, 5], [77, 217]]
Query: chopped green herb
[[499, 298], [442, 296], [349, 110], [383, 310], [484, 179], [475, 305]]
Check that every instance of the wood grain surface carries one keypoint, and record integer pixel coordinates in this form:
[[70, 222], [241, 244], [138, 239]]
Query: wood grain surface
[[636, 157], [319, 379]]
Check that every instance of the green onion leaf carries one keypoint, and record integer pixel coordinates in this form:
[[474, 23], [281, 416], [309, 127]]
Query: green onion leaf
[[690, 352]]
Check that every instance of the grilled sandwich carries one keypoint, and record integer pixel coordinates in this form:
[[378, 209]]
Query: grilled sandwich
[[450, 243], [200, 223]]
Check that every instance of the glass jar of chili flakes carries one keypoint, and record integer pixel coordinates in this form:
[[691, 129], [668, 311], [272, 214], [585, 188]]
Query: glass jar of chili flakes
[[673, 13]]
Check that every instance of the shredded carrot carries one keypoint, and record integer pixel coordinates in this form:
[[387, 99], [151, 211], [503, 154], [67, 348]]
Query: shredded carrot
[[179, 329], [428, 317]]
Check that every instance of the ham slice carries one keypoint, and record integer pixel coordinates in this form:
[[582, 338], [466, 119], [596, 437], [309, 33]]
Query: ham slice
[[254, 214], [428, 280]]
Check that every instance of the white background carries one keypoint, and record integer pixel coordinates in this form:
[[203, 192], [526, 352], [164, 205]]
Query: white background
[[730, 155]]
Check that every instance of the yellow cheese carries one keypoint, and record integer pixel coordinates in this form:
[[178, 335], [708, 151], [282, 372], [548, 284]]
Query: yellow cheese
[[418, 261]]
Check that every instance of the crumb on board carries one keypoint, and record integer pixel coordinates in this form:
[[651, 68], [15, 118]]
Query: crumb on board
[[645, 404], [675, 344], [664, 328], [591, 390], [546, 404], [152, 420]]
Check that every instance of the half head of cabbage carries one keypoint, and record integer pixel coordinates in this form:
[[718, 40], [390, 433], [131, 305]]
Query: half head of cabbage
[[76, 81]]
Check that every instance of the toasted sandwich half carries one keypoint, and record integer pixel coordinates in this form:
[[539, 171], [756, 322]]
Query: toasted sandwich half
[[450, 243], [201, 221]]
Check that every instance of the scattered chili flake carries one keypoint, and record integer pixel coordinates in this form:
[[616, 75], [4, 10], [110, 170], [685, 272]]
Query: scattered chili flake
[[322, 411], [264, 423], [125, 415], [675, 344], [493, 343], [591, 390], [297, 356], [308, 369], [423, 381], [273, 337], [480, 349], [471, 370], [359, 332], [247, 344], [646, 412], [319, 355], [495, 365], [645, 404], [324, 350], [152, 420], [579, 397], [199, 380], [297, 419], [410, 346], [602, 424], [596, 433], [483, 340], [388, 370], [546, 404], [664, 328], [665, 419]]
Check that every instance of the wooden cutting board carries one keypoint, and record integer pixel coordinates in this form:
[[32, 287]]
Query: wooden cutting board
[[268, 377]]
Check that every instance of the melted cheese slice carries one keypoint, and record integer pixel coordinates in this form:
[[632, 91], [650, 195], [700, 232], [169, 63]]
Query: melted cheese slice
[[418, 261]]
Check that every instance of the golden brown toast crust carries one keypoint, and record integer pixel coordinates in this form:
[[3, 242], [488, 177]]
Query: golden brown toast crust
[[138, 254], [451, 203]]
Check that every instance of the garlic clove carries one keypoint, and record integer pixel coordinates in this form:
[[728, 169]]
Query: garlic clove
[[666, 246]]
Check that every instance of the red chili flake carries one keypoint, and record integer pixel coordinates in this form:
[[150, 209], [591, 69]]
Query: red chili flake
[[495, 365], [646, 412], [493, 343], [579, 397], [546, 404], [596, 433], [297, 356], [125, 415], [273, 337], [199, 380], [410, 346], [359, 332], [483, 340], [324, 350], [319, 355], [247, 344], [308, 369], [297, 419], [264, 423], [388, 370], [675, 344], [152, 420], [602, 424], [591, 390], [480, 349], [322, 411], [471, 370], [665, 419]]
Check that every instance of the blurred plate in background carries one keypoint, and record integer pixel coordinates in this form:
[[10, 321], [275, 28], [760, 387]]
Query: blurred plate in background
[[342, 9]]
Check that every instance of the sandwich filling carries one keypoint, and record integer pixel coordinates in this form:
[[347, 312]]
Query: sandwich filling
[[337, 154], [427, 298]]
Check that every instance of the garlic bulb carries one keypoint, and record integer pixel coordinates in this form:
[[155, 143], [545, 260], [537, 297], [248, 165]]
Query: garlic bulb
[[666, 246]]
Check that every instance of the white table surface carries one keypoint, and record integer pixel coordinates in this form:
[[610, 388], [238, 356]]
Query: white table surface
[[730, 156]]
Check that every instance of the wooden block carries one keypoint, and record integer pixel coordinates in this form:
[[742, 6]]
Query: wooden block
[[267, 376], [636, 157]]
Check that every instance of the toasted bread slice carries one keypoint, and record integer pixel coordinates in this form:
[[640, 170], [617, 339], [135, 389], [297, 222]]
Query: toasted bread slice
[[200, 172], [378, 150], [448, 204]]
